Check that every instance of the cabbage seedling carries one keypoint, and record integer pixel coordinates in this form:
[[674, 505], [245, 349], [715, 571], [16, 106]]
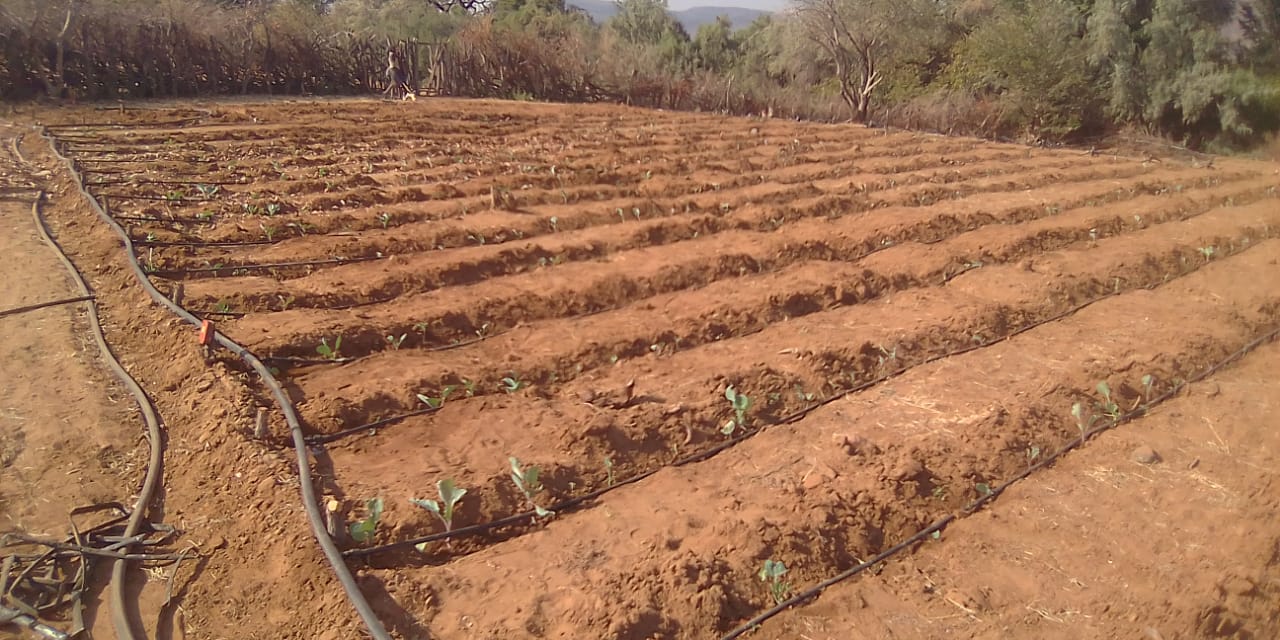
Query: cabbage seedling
[[396, 342], [332, 353], [772, 573], [450, 494], [1147, 382], [527, 482], [740, 402], [436, 403], [1108, 405], [363, 530], [385, 219], [512, 384]]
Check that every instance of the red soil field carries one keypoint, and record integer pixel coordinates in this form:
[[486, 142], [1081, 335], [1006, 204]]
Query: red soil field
[[912, 317]]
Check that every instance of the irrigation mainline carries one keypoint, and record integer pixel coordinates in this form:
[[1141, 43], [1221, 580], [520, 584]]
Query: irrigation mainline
[[727, 444], [42, 305], [982, 501], [310, 503], [126, 620]]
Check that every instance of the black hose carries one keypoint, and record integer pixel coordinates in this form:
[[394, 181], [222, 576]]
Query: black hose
[[42, 305], [331, 552], [125, 619]]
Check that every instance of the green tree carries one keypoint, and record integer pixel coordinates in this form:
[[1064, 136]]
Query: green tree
[[1032, 57], [646, 24], [714, 47]]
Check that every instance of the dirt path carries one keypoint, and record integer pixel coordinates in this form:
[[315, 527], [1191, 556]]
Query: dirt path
[[70, 436]]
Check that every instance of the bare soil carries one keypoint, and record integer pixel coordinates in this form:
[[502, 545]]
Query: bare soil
[[913, 317]]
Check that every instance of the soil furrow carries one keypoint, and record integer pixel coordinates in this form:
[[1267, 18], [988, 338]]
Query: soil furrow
[[869, 478]]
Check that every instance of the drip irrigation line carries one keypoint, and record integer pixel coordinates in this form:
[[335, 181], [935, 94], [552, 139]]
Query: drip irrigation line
[[166, 273], [42, 305], [103, 183], [307, 489], [120, 125], [941, 523], [170, 219], [125, 618], [183, 243], [120, 196], [727, 444], [330, 437]]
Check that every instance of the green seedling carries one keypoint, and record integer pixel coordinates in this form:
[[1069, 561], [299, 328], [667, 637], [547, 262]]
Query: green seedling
[[983, 489], [302, 227], [396, 342], [1033, 452], [251, 209], [771, 573], [209, 191], [1108, 406], [436, 402], [608, 470], [268, 231], [1147, 382], [526, 480], [385, 219], [151, 237], [468, 387], [1084, 419], [285, 301], [331, 353], [273, 209], [204, 216], [223, 306], [450, 495], [177, 195], [362, 531], [512, 384], [740, 402], [1208, 252]]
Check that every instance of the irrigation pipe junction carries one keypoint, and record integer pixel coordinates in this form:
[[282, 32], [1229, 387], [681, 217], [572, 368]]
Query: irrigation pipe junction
[[311, 504]]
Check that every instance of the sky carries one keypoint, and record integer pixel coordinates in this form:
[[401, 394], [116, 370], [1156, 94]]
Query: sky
[[763, 5]]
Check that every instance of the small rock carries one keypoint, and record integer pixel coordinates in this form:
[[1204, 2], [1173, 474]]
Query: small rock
[[1145, 455]]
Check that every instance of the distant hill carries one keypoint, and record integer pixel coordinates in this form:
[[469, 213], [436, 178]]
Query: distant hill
[[691, 18]]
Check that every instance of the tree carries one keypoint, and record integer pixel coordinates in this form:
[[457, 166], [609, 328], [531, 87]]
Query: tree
[[1032, 57], [646, 23], [865, 37], [714, 47]]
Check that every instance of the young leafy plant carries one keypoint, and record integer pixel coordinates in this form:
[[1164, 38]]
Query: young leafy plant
[[608, 470], [450, 494], [331, 353], [1147, 382], [385, 219], [362, 531], [436, 402], [526, 480], [396, 342], [771, 573], [512, 384], [740, 402], [1084, 418], [1108, 405]]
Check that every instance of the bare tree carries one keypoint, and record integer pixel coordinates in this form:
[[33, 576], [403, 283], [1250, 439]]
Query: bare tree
[[863, 38]]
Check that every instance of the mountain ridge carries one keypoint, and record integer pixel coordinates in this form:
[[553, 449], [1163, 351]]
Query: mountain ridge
[[691, 18]]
